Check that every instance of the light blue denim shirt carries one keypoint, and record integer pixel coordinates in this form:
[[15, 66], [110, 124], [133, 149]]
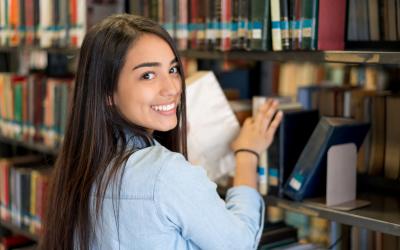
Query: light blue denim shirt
[[167, 203]]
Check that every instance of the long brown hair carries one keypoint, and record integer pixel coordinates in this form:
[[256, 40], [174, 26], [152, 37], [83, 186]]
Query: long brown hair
[[95, 147]]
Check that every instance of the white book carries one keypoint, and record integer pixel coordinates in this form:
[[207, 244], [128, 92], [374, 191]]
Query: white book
[[263, 161], [212, 125]]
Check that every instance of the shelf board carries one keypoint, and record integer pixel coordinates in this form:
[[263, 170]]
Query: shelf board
[[383, 215], [356, 57], [33, 146], [19, 230], [61, 50]]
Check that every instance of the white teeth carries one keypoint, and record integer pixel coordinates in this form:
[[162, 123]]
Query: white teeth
[[164, 107]]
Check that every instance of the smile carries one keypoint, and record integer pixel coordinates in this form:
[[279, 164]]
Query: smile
[[167, 107]]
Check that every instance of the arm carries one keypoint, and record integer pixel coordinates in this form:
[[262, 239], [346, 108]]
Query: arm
[[189, 203]]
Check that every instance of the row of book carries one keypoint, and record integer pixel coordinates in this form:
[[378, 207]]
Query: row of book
[[256, 25], [373, 20], [292, 75], [44, 23], [23, 191], [34, 108]]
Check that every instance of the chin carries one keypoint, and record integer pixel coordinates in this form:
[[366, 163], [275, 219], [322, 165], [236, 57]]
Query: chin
[[166, 128]]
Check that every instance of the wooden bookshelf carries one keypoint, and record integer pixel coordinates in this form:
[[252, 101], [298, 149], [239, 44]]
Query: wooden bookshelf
[[19, 230], [382, 215], [349, 57], [29, 145]]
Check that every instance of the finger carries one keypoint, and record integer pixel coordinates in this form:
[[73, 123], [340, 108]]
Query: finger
[[274, 124], [268, 115], [261, 113], [248, 121]]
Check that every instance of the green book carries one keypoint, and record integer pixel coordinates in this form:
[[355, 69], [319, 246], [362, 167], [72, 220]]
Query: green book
[[260, 35], [309, 24]]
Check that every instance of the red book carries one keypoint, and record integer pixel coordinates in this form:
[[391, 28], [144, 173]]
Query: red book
[[226, 18], [13, 241], [331, 24], [29, 23], [193, 23]]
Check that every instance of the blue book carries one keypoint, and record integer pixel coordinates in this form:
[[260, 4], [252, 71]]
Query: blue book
[[308, 178], [307, 96], [289, 141]]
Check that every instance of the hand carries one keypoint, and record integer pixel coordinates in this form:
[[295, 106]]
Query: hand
[[257, 133]]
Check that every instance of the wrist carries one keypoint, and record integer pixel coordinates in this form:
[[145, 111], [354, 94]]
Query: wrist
[[245, 152]]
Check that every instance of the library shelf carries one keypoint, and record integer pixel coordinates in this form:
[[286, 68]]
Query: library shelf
[[59, 50], [16, 229], [351, 57], [29, 145], [381, 215], [342, 56]]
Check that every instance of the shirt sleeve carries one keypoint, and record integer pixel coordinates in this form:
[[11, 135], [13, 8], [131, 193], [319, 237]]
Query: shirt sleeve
[[188, 201]]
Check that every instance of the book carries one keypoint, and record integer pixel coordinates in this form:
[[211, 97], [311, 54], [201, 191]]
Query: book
[[309, 19], [284, 13], [210, 116], [260, 33], [276, 25], [331, 24], [392, 147], [309, 174], [290, 139]]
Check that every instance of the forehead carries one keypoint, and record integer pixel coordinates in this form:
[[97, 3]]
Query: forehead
[[150, 48]]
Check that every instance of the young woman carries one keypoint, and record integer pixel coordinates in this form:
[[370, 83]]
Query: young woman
[[121, 180]]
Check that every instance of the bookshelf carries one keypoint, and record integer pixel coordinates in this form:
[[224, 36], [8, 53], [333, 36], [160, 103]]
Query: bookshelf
[[348, 57], [382, 215], [38, 147]]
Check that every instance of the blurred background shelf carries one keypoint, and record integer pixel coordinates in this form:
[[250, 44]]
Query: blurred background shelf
[[19, 230], [32, 146]]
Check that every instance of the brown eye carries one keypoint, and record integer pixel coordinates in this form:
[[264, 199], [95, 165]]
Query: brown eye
[[148, 76], [174, 70]]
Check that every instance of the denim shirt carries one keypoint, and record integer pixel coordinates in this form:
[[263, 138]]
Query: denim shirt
[[167, 203]]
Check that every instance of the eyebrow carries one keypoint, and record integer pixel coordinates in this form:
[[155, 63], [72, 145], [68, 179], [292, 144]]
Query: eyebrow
[[153, 64]]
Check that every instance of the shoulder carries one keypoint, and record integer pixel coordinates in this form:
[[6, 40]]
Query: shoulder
[[149, 167]]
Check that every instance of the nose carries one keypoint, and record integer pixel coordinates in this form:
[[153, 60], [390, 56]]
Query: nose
[[171, 85]]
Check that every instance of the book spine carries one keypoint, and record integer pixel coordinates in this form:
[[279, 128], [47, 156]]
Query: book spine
[[262, 169], [284, 15], [276, 26], [243, 23], [226, 17], [309, 24], [331, 25], [182, 32], [257, 24]]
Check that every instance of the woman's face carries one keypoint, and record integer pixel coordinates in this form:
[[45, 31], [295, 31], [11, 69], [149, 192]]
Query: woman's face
[[149, 85]]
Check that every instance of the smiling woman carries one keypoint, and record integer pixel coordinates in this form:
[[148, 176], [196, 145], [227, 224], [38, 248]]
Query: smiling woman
[[121, 180]]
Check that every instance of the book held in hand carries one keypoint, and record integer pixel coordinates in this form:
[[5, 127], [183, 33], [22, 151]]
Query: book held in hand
[[212, 125]]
